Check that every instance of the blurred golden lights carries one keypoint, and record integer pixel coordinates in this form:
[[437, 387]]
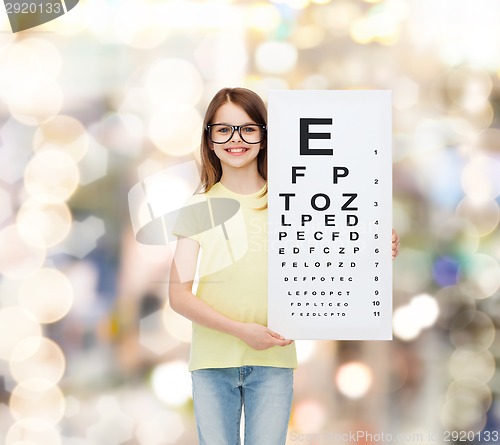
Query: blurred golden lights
[[43, 225], [276, 57], [19, 62], [18, 259], [409, 320], [458, 234], [469, 362], [63, 133], [413, 270], [263, 16], [34, 105], [51, 176], [40, 358], [32, 431], [138, 24], [378, 27], [5, 205], [39, 399], [164, 427], [466, 404], [354, 379], [47, 294], [309, 416], [17, 325], [173, 80], [480, 276], [404, 325], [484, 214], [161, 380], [27, 64], [477, 178], [468, 89], [425, 308], [471, 327], [305, 350], [308, 36], [175, 129]]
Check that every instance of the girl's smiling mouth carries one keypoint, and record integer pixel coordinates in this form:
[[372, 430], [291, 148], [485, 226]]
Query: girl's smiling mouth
[[236, 150]]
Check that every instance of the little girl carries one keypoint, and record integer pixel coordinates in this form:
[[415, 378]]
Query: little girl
[[236, 360]]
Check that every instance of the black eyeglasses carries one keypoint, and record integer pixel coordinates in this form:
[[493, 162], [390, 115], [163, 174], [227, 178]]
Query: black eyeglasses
[[249, 133]]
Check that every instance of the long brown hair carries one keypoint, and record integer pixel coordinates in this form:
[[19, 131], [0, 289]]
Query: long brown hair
[[211, 170]]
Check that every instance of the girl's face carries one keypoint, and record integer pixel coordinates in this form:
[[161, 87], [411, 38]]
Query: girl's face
[[235, 153]]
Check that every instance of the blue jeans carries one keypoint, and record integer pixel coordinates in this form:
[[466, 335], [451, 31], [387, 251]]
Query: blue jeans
[[219, 394]]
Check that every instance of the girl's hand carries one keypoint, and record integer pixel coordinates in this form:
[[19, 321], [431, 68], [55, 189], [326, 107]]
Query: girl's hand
[[261, 337], [395, 244]]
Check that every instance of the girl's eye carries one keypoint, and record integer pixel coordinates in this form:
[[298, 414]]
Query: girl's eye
[[248, 129], [223, 130]]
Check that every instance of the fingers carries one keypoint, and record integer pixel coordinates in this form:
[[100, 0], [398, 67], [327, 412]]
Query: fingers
[[395, 251], [395, 244], [395, 237], [279, 339], [283, 342], [261, 337], [275, 335]]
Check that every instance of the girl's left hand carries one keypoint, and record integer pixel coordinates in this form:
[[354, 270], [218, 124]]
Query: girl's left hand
[[395, 244]]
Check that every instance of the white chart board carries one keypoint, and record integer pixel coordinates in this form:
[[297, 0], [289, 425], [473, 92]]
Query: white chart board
[[330, 214]]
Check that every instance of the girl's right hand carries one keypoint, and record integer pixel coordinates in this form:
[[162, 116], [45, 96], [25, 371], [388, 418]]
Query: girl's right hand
[[261, 337]]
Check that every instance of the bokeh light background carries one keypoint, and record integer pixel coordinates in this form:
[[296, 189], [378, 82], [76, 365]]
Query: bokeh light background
[[113, 93]]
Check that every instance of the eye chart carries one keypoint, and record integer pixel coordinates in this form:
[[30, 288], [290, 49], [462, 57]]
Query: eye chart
[[330, 214]]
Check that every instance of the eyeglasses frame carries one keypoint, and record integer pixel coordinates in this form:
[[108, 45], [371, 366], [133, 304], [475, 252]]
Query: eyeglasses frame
[[234, 128]]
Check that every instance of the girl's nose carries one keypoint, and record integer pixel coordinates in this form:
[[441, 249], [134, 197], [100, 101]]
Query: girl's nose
[[236, 135]]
